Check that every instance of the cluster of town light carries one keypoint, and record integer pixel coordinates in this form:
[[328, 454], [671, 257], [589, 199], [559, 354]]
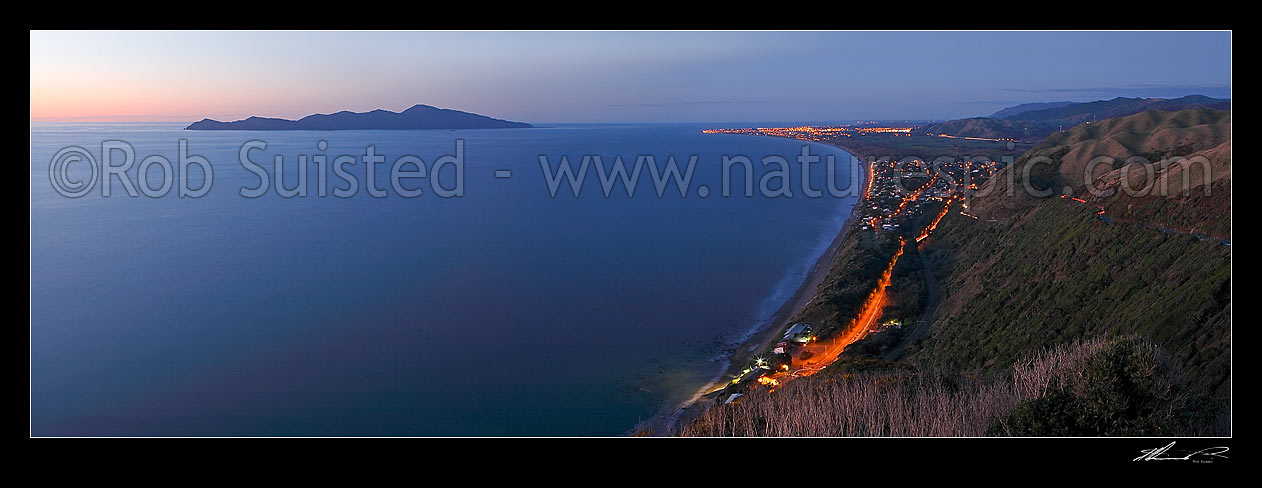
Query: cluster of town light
[[817, 133], [877, 298]]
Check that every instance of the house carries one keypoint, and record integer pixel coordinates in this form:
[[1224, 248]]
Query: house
[[800, 333]]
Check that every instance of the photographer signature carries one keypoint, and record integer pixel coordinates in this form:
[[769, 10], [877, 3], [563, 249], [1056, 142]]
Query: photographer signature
[[1158, 454]]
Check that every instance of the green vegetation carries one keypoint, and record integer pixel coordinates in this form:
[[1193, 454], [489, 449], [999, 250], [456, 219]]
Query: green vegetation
[[1127, 388], [1036, 272], [1079, 113], [991, 128], [859, 263], [1061, 274], [1053, 320], [1034, 125]]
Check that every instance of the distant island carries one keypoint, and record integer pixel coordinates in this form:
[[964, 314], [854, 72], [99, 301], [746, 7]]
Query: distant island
[[419, 117]]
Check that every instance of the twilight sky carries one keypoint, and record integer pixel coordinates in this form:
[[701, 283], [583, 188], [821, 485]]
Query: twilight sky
[[542, 77]]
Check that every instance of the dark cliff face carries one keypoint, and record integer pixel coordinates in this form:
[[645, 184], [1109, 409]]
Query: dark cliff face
[[419, 117]]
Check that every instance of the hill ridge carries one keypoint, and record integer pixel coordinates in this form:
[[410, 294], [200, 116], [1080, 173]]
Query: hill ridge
[[416, 117]]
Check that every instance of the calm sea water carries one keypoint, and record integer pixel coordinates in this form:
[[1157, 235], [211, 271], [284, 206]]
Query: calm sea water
[[502, 312]]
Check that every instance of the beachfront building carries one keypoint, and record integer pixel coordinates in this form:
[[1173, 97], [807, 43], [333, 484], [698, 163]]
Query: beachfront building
[[800, 333]]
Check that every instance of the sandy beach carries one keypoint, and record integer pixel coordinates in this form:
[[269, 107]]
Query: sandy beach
[[672, 419]]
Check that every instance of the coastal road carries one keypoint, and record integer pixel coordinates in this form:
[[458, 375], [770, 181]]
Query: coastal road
[[932, 297], [824, 354]]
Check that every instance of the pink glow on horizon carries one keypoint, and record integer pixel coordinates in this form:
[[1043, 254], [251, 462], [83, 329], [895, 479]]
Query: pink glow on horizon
[[122, 99], [598, 76]]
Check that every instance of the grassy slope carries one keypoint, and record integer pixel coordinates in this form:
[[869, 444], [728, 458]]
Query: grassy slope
[[992, 128], [1060, 274], [841, 294], [1118, 107], [1037, 124], [1035, 274], [1047, 271]]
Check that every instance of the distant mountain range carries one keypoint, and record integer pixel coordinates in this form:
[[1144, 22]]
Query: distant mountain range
[[1035, 121], [1077, 113], [1027, 107], [419, 117]]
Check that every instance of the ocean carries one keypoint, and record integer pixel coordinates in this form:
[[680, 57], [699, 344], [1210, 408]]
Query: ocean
[[505, 310]]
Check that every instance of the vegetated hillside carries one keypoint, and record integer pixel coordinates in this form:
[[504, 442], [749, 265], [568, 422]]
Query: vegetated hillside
[[990, 128], [852, 275], [1039, 122], [1054, 319], [1031, 273], [1026, 107], [1168, 169], [1078, 113]]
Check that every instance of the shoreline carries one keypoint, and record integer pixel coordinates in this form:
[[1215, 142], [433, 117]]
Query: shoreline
[[668, 421]]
